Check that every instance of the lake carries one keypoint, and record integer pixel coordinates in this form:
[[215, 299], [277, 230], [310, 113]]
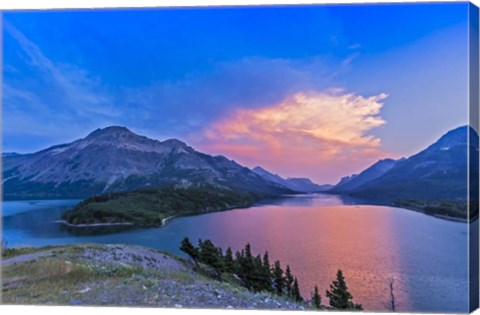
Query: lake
[[314, 234]]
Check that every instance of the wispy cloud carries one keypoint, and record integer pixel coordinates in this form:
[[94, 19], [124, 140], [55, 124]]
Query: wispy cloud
[[305, 134], [51, 95]]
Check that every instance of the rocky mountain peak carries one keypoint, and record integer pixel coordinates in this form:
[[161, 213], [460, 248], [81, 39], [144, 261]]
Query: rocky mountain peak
[[116, 159], [111, 131], [455, 137]]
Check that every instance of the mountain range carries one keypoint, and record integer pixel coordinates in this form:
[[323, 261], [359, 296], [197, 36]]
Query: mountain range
[[295, 184], [437, 172], [116, 159]]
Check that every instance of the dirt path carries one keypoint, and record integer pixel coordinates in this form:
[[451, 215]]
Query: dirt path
[[26, 257]]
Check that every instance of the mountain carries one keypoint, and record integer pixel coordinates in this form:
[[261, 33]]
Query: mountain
[[116, 159], [371, 173], [295, 184], [438, 172], [5, 154]]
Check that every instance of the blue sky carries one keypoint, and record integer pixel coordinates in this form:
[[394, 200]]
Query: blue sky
[[211, 76]]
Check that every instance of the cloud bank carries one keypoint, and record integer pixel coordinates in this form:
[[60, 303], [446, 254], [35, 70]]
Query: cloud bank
[[308, 134]]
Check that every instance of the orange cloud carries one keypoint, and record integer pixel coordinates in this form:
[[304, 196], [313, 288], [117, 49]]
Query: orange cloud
[[318, 135]]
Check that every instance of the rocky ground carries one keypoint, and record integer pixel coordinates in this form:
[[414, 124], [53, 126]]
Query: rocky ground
[[121, 275]]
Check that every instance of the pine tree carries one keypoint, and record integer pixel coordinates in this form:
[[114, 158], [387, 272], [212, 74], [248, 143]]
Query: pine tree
[[228, 261], [211, 256], [297, 296], [238, 263], [289, 282], [316, 299], [248, 252], [221, 259], [267, 273], [278, 279], [190, 250], [257, 278], [247, 267], [340, 297]]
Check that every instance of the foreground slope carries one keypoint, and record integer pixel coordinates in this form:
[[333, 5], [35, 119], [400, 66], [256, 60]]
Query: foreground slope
[[116, 159], [120, 275]]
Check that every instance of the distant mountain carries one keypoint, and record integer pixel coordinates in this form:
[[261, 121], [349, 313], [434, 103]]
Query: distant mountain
[[5, 154], [438, 172], [116, 159], [357, 180], [295, 184]]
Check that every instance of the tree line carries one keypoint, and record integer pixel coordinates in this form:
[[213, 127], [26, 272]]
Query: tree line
[[257, 274]]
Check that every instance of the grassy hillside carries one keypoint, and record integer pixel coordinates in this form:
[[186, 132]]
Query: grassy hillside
[[151, 207], [120, 275]]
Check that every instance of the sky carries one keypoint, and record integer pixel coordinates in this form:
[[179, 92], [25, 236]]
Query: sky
[[304, 91]]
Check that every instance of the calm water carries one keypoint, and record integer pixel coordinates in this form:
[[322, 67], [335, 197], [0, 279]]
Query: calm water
[[316, 235]]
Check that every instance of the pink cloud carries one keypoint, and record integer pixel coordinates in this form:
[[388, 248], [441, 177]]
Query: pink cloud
[[322, 136]]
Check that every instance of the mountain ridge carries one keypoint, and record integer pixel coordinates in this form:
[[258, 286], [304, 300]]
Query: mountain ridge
[[437, 172], [372, 172], [116, 159], [298, 184]]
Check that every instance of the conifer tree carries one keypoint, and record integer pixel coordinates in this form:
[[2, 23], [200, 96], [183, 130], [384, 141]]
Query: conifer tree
[[228, 261], [248, 252], [289, 282], [340, 297], [267, 273], [238, 263], [297, 296], [278, 279], [257, 277], [210, 255], [266, 262], [247, 267], [221, 259], [190, 250], [316, 299]]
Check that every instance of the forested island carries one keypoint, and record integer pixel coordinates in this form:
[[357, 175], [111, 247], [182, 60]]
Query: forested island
[[153, 207]]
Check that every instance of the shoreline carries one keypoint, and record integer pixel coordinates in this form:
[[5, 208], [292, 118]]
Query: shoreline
[[165, 220], [454, 219], [94, 224], [438, 216], [63, 222]]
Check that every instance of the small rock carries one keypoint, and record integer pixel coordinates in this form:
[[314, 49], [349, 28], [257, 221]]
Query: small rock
[[84, 290], [178, 305], [230, 307]]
